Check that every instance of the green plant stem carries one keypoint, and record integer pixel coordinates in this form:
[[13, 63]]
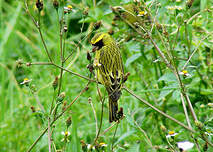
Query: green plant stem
[[145, 134], [113, 138], [53, 121], [38, 26], [49, 63], [184, 67], [101, 121], [157, 110]]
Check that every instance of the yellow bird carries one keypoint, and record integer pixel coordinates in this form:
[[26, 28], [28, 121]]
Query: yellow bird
[[129, 12], [109, 69]]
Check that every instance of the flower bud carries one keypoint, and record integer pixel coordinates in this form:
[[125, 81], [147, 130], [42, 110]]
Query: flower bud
[[55, 4], [65, 28], [86, 10], [55, 83], [61, 97], [97, 25], [39, 5], [33, 109], [90, 67], [69, 122], [88, 56], [199, 124], [189, 3], [111, 32], [19, 62], [89, 100], [126, 77]]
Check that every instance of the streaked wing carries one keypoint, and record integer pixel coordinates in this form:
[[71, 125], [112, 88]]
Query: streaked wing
[[111, 66]]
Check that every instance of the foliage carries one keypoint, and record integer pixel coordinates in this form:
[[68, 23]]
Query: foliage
[[182, 32]]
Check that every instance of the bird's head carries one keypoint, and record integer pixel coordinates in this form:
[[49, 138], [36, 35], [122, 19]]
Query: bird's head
[[100, 40]]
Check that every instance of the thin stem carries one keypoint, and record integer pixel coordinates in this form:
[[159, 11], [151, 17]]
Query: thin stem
[[147, 138], [101, 121], [53, 121], [157, 110], [38, 101], [61, 51], [196, 50], [49, 63], [187, 39], [49, 135], [38, 26], [106, 130], [113, 138], [153, 42], [28, 12], [81, 76], [76, 47], [185, 111], [94, 112]]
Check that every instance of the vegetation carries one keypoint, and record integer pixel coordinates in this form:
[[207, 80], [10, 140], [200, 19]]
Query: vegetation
[[51, 101]]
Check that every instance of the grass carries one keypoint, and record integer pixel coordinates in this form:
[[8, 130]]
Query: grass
[[183, 36]]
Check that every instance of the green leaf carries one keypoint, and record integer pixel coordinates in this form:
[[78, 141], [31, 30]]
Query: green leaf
[[134, 148], [132, 59], [10, 28], [170, 77], [176, 95], [164, 93], [124, 136]]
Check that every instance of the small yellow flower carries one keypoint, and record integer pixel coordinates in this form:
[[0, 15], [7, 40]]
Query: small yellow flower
[[202, 106], [174, 8], [163, 128], [66, 135], [69, 7], [184, 73], [141, 13], [102, 144], [171, 134], [210, 104], [170, 8], [26, 81]]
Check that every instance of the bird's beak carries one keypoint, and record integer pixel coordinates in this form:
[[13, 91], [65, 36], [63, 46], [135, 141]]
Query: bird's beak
[[94, 48]]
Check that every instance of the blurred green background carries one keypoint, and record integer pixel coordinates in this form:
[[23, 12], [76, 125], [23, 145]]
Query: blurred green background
[[149, 77]]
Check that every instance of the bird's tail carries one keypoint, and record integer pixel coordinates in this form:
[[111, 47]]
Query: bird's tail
[[113, 110]]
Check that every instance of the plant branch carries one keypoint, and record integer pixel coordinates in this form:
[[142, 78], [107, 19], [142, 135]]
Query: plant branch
[[157, 110], [184, 67], [53, 121], [38, 26]]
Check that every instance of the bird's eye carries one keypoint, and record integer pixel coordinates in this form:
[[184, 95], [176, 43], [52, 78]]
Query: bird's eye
[[100, 44]]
